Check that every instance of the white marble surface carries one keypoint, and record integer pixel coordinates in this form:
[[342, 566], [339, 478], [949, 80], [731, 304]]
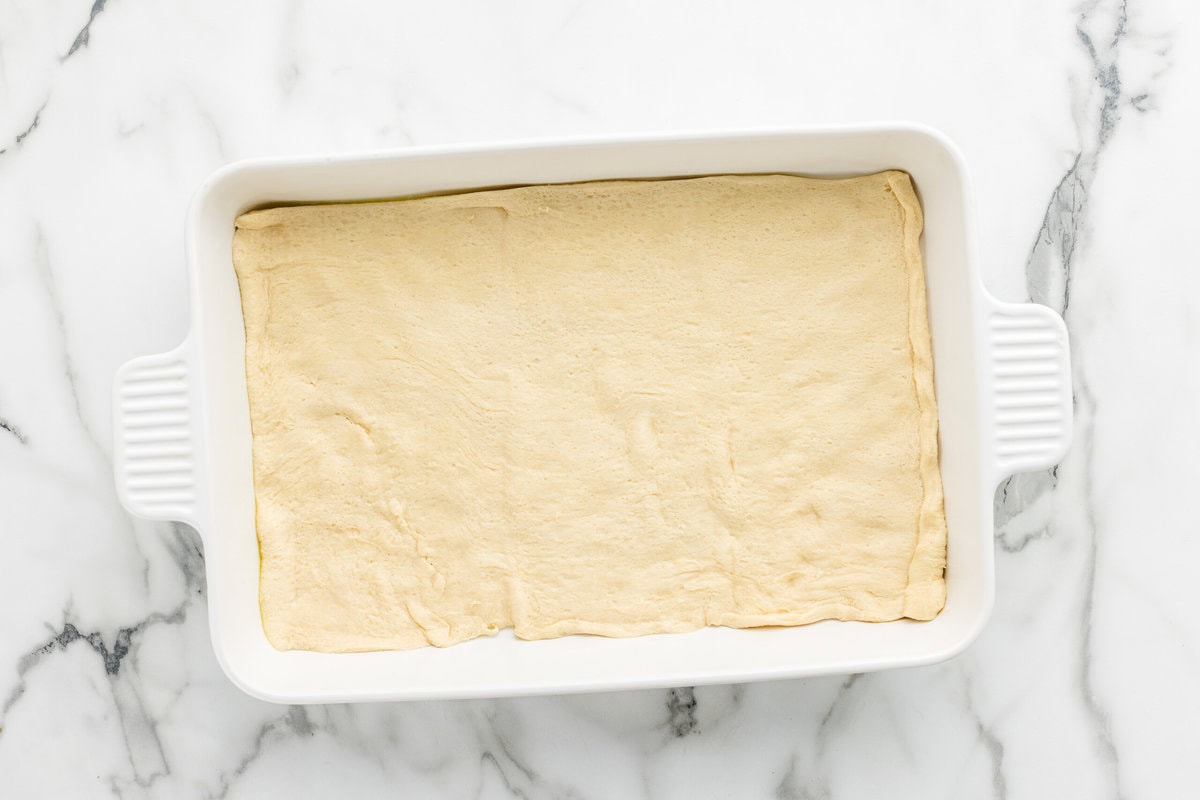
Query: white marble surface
[[1079, 123]]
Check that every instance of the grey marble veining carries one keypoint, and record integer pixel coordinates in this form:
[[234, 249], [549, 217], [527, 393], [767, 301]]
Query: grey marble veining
[[1078, 122]]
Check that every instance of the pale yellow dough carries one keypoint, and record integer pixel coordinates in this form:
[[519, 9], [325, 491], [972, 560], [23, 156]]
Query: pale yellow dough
[[611, 408]]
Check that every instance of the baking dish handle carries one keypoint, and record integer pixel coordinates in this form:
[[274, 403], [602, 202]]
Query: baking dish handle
[[155, 436], [1030, 379]]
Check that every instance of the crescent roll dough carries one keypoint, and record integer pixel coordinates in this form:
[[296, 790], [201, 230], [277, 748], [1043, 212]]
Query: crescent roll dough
[[613, 408]]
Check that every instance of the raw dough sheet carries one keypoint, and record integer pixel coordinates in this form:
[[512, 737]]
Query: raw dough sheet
[[612, 408]]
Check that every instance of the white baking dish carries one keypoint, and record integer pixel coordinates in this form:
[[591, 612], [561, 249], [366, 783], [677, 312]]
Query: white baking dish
[[182, 423]]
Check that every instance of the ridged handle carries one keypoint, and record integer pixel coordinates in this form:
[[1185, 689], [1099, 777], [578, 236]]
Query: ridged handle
[[154, 427], [1031, 387]]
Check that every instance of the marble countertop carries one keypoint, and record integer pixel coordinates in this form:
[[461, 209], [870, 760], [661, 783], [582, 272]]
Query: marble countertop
[[1078, 122]]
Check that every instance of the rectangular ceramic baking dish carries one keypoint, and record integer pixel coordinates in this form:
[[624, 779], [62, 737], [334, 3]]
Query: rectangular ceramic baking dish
[[182, 422]]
